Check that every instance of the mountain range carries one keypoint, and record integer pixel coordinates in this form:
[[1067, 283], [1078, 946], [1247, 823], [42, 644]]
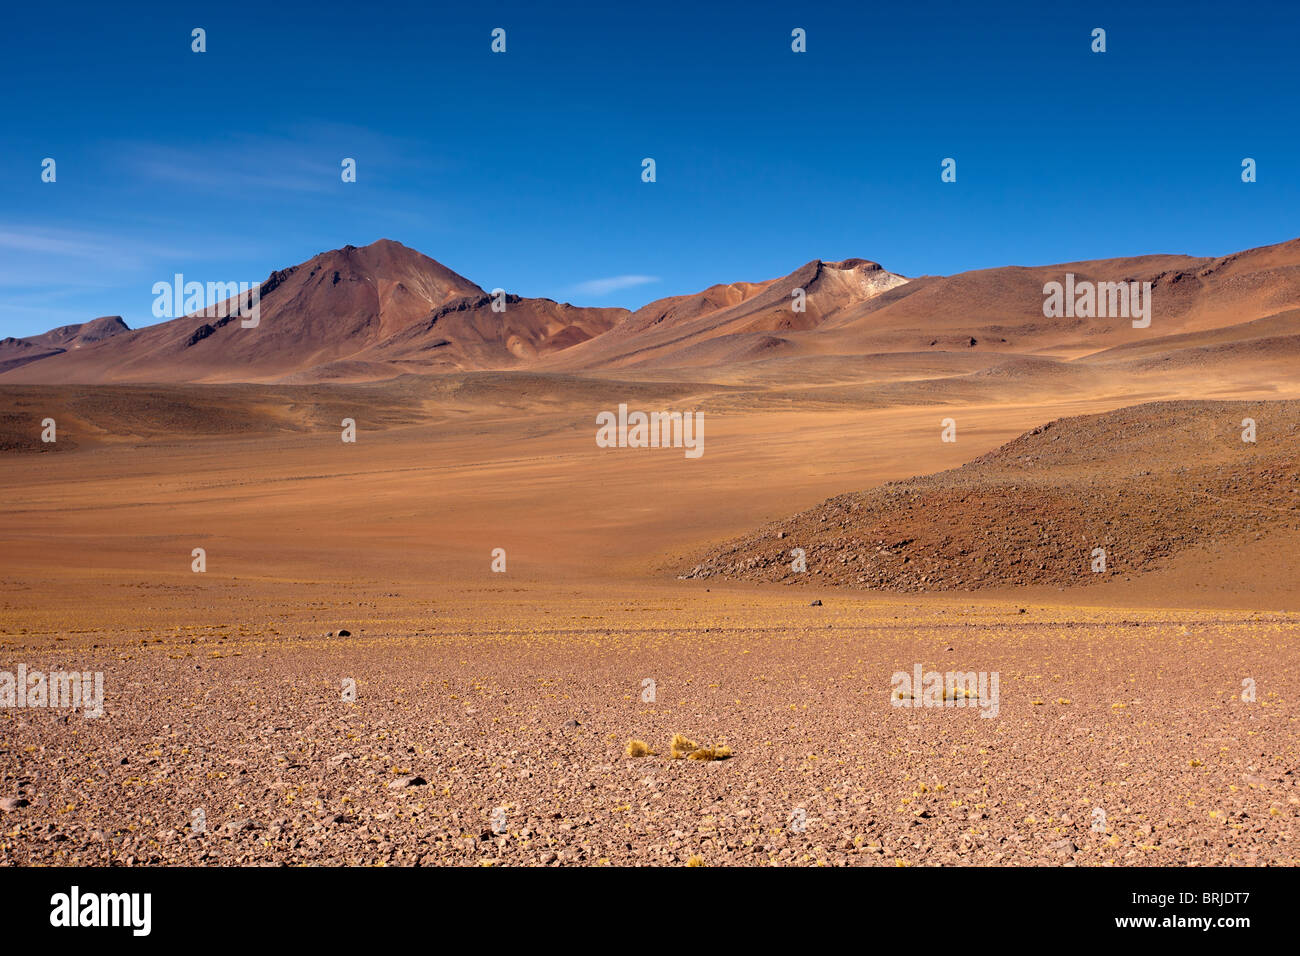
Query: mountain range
[[380, 311]]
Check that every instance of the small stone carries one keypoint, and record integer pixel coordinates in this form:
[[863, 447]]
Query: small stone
[[10, 804], [407, 780], [816, 603], [344, 633]]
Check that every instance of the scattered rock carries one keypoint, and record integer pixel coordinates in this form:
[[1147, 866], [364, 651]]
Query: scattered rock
[[984, 526], [407, 780]]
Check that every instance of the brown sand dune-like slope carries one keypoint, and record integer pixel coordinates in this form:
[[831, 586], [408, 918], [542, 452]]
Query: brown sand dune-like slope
[[114, 415], [1265, 350], [15, 352], [1286, 323], [1142, 483], [173, 415]]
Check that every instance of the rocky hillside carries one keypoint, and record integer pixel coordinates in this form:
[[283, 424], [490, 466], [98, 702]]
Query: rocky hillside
[[1143, 483]]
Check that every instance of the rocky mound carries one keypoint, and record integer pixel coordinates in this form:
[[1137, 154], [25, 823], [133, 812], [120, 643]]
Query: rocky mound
[[1142, 483]]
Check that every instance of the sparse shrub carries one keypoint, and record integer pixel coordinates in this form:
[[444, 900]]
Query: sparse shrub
[[681, 746], [710, 753]]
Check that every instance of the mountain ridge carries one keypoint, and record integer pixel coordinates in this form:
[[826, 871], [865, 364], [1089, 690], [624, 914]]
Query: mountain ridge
[[368, 313]]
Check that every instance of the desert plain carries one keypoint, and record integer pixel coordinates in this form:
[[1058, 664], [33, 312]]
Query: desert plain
[[352, 679]]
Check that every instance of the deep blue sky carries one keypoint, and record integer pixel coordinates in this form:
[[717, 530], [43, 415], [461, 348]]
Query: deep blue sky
[[523, 170]]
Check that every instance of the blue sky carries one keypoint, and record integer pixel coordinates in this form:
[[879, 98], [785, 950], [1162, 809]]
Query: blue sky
[[523, 170]]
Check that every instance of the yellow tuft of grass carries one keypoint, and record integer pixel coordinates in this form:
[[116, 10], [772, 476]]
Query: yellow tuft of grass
[[696, 860], [710, 753], [639, 748], [681, 746]]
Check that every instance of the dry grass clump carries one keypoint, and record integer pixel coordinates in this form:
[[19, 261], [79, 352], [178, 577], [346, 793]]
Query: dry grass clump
[[696, 860], [710, 753], [681, 746], [639, 748], [685, 747]]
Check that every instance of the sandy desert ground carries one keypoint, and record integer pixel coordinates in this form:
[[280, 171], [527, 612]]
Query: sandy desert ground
[[493, 711]]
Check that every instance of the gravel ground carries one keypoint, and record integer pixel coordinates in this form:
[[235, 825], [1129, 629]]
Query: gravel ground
[[492, 730]]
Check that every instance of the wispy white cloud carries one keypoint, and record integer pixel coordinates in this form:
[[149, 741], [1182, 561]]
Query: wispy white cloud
[[304, 160], [612, 284], [47, 243], [52, 276], [36, 254], [274, 169]]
